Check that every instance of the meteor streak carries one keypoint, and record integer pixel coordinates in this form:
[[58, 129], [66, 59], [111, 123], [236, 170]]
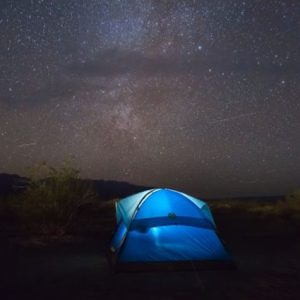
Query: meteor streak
[[241, 116]]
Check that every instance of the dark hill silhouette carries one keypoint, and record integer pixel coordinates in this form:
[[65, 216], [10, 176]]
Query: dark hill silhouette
[[11, 183], [106, 189], [109, 189]]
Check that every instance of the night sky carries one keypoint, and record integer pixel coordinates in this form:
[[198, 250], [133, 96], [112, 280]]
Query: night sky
[[200, 96]]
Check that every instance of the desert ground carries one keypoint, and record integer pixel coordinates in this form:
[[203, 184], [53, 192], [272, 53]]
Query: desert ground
[[266, 250]]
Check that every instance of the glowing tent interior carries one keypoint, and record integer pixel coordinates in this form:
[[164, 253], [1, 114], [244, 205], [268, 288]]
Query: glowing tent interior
[[166, 229]]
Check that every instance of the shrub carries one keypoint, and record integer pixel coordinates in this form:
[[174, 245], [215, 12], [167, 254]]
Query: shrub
[[9, 214], [52, 198], [286, 209], [290, 206]]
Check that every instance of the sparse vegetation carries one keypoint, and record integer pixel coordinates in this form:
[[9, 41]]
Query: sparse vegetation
[[290, 207], [287, 208], [51, 201], [56, 201]]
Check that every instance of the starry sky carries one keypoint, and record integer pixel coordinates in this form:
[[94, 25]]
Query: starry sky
[[200, 96]]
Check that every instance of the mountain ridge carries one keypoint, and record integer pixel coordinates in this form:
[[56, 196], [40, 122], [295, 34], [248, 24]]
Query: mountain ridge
[[108, 189]]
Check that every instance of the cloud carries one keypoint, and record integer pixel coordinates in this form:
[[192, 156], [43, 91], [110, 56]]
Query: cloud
[[114, 62], [63, 87]]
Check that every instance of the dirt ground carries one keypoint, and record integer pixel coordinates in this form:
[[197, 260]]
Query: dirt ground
[[267, 256]]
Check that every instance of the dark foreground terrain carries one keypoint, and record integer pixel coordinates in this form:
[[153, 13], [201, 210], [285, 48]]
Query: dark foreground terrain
[[266, 251]]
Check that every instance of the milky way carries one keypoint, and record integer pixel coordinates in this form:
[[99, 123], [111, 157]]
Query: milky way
[[201, 96]]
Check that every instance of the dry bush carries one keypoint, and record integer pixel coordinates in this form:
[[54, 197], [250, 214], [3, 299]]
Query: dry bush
[[51, 201]]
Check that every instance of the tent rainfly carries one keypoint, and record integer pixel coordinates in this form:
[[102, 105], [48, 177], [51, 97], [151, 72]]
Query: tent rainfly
[[163, 229]]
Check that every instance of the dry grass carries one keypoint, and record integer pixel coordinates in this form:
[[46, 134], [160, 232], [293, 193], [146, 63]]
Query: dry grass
[[288, 207]]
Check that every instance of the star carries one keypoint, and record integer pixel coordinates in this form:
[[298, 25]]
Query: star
[[173, 93]]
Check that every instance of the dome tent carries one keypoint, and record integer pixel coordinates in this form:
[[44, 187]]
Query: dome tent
[[166, 229]]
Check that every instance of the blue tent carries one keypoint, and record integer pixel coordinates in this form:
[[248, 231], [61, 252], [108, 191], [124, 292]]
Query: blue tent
[[166, 228]]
